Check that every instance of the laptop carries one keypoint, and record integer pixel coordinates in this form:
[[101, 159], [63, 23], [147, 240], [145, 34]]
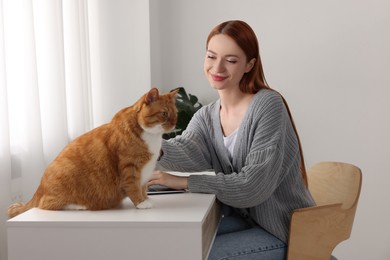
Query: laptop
[[161, 189]]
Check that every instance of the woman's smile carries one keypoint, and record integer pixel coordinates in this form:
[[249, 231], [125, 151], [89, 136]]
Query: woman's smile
[[217, 77]]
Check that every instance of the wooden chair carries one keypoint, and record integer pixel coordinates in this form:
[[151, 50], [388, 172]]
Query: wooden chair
[[316, 231]]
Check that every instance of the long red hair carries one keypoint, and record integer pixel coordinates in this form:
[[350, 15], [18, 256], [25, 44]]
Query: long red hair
[[253, 81]]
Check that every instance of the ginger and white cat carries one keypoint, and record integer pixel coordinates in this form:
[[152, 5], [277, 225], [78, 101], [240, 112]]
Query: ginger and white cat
[[100, 168]]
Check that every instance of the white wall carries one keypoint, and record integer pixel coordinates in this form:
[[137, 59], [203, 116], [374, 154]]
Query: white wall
[[119, 74], [331, 61]]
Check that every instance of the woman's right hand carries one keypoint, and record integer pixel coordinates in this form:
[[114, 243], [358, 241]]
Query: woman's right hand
[[168, 180]]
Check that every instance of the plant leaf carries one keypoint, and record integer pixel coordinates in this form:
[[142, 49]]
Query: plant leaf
[[187, 105]]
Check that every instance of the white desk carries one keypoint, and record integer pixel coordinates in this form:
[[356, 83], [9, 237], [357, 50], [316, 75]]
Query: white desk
[[179, 226]]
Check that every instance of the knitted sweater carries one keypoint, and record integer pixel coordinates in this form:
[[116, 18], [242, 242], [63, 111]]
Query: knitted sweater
[[263, 178]]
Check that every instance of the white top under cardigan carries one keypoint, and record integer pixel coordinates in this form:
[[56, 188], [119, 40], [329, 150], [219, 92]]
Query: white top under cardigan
[[263, 178], [229, 142]]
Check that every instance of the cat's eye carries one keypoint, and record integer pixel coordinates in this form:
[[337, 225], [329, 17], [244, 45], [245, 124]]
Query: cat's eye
[[165, 114]]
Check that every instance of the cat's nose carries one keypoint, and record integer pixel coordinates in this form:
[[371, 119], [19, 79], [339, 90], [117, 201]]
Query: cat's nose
[[173, 121]]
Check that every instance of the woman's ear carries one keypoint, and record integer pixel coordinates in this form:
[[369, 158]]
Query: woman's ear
[[250, 65]]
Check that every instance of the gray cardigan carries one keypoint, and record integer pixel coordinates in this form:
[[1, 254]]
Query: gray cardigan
[[263, 179]]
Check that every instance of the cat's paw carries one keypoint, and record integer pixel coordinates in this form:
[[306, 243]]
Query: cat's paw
[[74, 207], [146, 204]]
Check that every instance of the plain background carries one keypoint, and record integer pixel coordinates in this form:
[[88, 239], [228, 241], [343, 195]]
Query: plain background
[[331, 61]]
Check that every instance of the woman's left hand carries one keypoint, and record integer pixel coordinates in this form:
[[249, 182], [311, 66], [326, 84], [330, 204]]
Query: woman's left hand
[[169, 180]]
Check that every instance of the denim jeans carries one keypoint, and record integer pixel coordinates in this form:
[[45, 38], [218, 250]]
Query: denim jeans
[[238, 239]]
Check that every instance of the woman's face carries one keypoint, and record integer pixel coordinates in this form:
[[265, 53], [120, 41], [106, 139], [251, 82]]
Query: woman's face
[[225, 63]]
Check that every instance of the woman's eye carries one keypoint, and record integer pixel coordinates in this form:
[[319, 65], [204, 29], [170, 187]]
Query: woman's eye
[[232, 61], [210, 57]]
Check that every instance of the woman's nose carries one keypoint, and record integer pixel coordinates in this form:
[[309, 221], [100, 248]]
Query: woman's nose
[[219, 66]]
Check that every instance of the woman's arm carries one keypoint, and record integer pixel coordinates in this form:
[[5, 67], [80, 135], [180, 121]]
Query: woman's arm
[[188, 152]]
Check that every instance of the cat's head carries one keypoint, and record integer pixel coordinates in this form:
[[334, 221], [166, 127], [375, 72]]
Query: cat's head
[[157, 113]]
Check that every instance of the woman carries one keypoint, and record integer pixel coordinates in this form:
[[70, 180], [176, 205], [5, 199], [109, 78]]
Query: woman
[[248, 138]]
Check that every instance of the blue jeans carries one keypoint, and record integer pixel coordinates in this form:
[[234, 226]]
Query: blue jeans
[[238, 239]]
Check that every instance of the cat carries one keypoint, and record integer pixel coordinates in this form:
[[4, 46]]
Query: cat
[[100, 168]]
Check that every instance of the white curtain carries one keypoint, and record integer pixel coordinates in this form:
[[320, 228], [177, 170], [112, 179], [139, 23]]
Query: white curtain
[[55, 82], [44, 94]]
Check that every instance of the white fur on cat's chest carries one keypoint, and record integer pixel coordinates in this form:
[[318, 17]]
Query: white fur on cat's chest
[[153, 141]]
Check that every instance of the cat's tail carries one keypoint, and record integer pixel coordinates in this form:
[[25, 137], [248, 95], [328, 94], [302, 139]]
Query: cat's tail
[[18, 208]]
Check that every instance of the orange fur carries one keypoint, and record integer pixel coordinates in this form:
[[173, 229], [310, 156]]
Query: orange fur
[[100, 168]]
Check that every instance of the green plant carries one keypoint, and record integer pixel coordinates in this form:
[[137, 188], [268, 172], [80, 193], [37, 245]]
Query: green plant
[[187, 105]]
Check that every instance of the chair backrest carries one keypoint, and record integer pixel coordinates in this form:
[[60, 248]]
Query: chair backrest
[[316, 231], [335, 182]]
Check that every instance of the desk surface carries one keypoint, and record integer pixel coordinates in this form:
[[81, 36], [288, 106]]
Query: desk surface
[[178, 225], [167, 210]]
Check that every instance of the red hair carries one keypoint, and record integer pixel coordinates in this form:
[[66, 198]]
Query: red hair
[[254, 80]]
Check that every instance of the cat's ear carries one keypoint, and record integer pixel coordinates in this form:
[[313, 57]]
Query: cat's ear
[[152, 96], [173, 93]]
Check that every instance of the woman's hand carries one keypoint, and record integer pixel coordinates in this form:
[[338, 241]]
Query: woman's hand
[[169, 180]]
